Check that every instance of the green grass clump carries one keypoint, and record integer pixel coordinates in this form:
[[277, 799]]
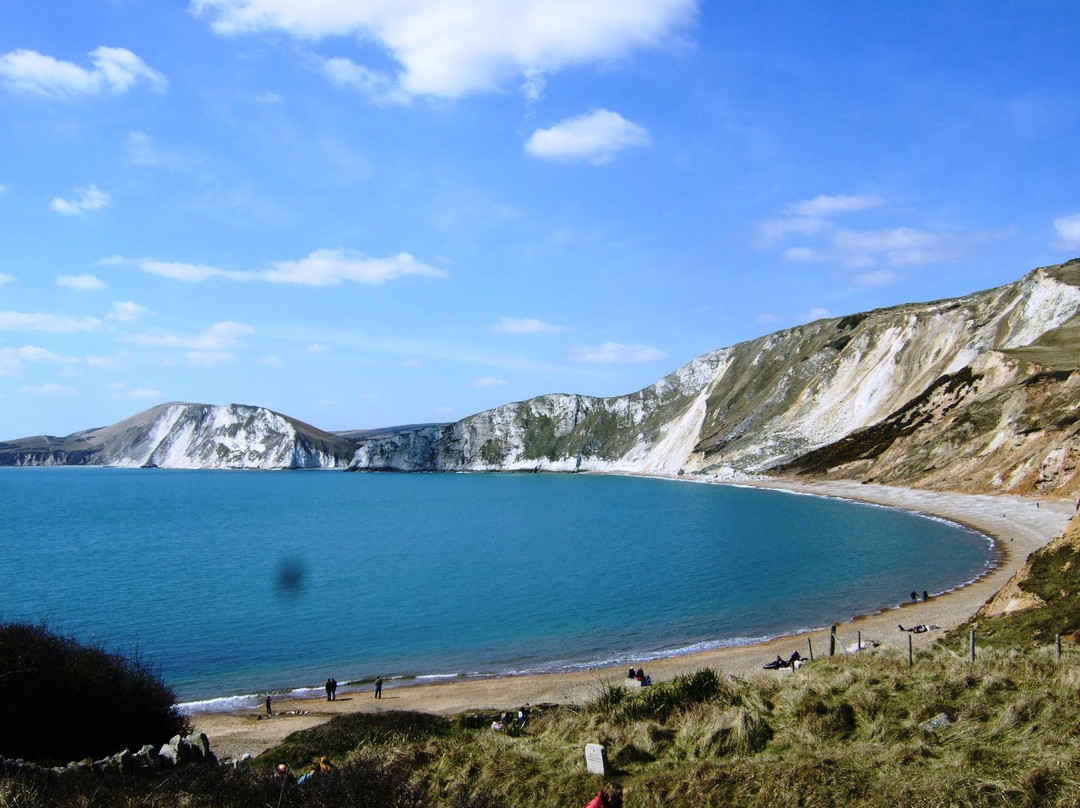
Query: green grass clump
[[846, 731], [61, 700]]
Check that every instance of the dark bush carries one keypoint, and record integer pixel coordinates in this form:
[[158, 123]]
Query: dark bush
[[61, 700]]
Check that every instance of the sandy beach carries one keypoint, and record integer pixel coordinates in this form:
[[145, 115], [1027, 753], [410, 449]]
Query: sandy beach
[[1019, 525]]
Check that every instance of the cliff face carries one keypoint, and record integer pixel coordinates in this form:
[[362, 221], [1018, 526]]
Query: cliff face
[[190, 436], [971, 394]]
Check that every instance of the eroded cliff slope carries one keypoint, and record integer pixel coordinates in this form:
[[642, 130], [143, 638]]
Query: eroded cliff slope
[[973, 393]]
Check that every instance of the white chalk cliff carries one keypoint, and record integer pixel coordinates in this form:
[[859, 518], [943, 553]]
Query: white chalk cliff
[[971, 394]]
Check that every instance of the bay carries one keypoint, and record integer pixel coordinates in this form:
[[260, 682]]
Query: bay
[[252, 582]]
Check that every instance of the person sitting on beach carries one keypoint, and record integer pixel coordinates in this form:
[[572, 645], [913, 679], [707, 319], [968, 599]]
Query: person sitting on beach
[[632, 674], [640, 676], [647, 682], [523, 715], [496, 725], [922, 628], [776, 664]]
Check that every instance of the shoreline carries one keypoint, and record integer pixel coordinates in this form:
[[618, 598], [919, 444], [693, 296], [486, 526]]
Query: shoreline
[[1016, 525]]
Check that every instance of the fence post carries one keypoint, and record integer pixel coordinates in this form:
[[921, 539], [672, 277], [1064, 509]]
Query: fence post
[[858, 643], [910, 656], [1057, 639], [832, 640], [810, 645], [973, 645]]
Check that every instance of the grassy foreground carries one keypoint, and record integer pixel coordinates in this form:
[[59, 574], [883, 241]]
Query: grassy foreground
[[843, 732]]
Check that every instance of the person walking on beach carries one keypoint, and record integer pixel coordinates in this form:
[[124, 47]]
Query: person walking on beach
[[333, 690], [329, 691], [378, 687], [269, 711]]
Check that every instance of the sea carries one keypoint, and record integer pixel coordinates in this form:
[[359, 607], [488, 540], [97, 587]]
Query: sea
[[233, 585]]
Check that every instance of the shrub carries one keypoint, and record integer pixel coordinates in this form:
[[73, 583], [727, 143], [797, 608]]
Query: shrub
[[62, 701]]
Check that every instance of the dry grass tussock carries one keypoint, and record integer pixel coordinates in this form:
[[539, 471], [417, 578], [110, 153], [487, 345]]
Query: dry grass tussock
[[853, 731]]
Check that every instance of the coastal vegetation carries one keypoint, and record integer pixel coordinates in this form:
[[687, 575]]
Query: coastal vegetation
[[859, 729], [61, 700]]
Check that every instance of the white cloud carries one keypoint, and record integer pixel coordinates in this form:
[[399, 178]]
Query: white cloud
[[116, 70], [379, 87], [595, 136], [331, 267], [81, 283], [319, 268], [47, 389], [57, 323], [490, 381], [88, 198], [1068, 232], [825, 206], [529, 325], [617, 353], [316, 348], [100, 362], [272, 361], [6, 278], [454, 48], [766, 318], [3, 188], [124, 311], [11, 359], [219, 337], [270, 99]]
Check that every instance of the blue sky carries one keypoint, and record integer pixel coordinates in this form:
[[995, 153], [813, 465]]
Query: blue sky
[[399, 211]]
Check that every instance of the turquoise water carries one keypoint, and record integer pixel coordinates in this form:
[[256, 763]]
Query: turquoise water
[[250, 582]]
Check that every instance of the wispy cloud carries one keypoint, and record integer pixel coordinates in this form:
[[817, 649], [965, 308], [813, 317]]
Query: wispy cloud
[[11, 359], [125, 311], [1068, 232], [219, 337], [6, 278], [453, 48], [142, 393], [823, 205], [115, 70], [617, 353], [595, 136], [816, 313], [49, 388], [81, 283], [88, 198], [490, 381], [320, 268], [378, 87], [56, 323], [528, 325], [209, 359], [823, 240]]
